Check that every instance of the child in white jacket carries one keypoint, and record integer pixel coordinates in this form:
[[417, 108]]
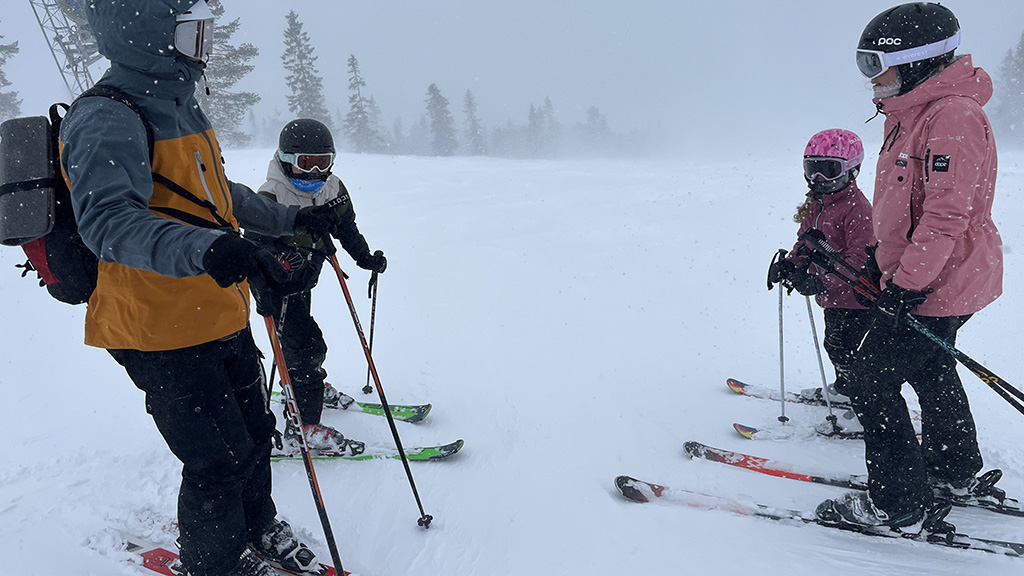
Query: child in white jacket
[[300, 174]]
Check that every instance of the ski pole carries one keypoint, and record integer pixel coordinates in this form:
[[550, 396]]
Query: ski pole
[[816, 240], [372, 294], [424, 519], [273, 365], [821, 368], [292, 410], [782, 346]]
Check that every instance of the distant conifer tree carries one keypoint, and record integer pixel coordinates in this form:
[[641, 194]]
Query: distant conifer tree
[[442, 125], [1008, 115], [307, 87], [362, 123], [475, 134], [10, 104], [228, 64]]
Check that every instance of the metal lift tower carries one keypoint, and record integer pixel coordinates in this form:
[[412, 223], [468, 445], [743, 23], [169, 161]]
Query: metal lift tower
[[72, 44]]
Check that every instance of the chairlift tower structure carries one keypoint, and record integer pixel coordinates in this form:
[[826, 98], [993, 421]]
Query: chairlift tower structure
[[72, 44]]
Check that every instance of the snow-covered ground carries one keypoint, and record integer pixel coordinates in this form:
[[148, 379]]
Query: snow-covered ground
[[572, 321]]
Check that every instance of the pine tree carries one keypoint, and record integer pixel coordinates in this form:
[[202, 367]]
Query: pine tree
[[398, 140], [594, 135], [474, 131], [307, 87], [362, 123], [1009, 110], [442, 125], [228, 64], [552, 129], [10, 104]]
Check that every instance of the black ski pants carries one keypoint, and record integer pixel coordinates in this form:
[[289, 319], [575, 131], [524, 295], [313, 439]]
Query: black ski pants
[[844, 330], [304, 350], [210, 404], [898, 466]]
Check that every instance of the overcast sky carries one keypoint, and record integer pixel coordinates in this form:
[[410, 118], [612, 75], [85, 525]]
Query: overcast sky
[[719, 76]]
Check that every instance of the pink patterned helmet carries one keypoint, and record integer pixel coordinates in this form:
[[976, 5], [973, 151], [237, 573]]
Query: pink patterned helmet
[[832, 160], [836, 143]]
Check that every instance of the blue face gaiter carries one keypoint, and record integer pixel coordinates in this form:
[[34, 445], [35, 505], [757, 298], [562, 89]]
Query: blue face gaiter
[[310, 186]]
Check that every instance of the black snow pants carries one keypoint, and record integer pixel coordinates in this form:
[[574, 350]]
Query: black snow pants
[[899, 467], [210, 404], [844, 330]]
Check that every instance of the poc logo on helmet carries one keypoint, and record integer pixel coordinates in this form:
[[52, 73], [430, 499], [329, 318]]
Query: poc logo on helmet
[[889, 41]]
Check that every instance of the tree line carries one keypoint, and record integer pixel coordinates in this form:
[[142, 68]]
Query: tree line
[[360, 126], [436, 132]]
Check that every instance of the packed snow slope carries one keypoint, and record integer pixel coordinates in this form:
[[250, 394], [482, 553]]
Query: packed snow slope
[[572, 321]]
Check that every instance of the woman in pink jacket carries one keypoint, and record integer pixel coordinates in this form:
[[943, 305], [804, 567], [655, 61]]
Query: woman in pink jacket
[[939, 256]]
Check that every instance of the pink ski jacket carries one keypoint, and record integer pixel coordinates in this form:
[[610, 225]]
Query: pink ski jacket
[[934, 187], [845, 219]]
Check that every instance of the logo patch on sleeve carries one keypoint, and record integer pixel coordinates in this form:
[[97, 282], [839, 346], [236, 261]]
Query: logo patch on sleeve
[[940, 163]]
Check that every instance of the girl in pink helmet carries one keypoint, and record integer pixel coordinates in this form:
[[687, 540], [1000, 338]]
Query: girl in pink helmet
[[835, 206]]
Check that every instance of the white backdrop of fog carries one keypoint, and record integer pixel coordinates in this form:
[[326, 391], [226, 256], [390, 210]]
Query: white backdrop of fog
[[725, 77]]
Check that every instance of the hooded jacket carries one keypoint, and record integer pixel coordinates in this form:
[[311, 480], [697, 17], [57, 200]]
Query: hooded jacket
[[152, 292], [845, 219], [934, 188]]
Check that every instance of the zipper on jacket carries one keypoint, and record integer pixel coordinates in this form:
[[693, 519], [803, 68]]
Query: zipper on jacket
[[214, 153], [202, 176], [927, 158]]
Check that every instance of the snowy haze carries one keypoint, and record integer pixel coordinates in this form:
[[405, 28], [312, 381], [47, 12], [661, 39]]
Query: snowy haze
[[572, 321], [710, 78]]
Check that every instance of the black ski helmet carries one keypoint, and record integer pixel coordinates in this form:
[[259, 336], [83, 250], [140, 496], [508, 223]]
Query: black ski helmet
[[305, 136], [916, 38]]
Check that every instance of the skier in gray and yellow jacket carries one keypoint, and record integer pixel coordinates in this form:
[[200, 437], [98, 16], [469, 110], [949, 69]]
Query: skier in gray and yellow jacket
[[171, 303]]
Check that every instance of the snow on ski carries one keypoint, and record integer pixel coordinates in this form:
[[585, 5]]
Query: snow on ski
[[420, 454], [643, 492], [161, 560], [405, 412], [766, 393], [693, 449], [791, 432]]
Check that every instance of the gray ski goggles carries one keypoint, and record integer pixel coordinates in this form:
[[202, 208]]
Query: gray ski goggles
[[193, 33]]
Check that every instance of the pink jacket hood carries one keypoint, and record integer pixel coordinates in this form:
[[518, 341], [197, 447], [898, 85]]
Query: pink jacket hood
[[934, 189]]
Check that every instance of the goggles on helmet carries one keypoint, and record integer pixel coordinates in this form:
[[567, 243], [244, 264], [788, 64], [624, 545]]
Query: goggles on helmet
[[308, 162], [828, 167], [193, 33], [874, 63]]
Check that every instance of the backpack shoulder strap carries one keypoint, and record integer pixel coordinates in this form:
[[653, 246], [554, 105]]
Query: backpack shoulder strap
[[113, 93]]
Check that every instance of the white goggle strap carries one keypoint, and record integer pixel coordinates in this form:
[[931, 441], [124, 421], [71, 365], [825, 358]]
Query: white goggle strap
[[890, 59]]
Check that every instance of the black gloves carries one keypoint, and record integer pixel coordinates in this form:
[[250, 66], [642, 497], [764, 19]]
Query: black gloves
[[795, 277], [375, 262], [896, 301], [806, 283], [780, 270], [231, 259], [319, 220]]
